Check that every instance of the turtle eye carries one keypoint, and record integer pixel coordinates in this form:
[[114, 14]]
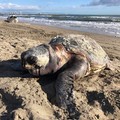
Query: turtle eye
[[31, 60]]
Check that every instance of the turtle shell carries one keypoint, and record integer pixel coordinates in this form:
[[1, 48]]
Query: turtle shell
[[84, 46]]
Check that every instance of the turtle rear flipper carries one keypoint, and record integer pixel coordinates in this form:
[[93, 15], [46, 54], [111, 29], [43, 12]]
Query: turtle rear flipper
[[65, 86]]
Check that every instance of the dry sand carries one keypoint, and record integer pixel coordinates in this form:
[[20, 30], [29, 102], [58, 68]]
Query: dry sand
[[24, 97]]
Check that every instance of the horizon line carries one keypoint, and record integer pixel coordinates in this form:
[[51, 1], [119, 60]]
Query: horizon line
[[20, 13]]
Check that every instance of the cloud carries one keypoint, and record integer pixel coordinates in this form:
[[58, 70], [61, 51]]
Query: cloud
[[18, 7], [104, 2]]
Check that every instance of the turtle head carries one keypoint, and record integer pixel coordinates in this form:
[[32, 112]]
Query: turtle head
[[35, 59]]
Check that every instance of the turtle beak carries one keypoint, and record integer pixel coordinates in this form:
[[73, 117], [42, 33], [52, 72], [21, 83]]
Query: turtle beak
[[28, 64]]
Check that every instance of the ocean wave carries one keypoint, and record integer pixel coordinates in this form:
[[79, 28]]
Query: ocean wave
[[66, 17]]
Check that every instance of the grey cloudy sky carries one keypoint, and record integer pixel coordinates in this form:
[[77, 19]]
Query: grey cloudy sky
[[105, 2]]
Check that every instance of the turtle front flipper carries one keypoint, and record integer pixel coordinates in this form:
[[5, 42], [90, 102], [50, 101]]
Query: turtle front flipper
[[64, 86]]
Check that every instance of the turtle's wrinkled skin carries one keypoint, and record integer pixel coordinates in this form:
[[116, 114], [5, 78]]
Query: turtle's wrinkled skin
[[79, 54]]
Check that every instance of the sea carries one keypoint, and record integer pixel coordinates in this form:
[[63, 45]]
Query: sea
[[101, 24]]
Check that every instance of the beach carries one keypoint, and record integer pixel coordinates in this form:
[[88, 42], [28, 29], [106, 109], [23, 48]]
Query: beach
[[23, 96]]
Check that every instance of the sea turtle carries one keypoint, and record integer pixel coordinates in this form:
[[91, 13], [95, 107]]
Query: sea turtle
[[76, 55]]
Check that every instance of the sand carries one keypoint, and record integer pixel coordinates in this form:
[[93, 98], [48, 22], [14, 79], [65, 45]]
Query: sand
[[24, 97]]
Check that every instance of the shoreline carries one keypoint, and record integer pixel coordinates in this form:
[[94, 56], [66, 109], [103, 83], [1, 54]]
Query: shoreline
[[89, 27], [66, 29], [77, 30], [73, 29]]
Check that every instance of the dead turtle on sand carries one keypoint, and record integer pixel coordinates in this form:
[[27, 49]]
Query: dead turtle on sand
[[79, 55]]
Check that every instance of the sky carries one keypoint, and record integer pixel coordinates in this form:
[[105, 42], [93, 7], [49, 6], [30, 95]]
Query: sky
[[104, 7]]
